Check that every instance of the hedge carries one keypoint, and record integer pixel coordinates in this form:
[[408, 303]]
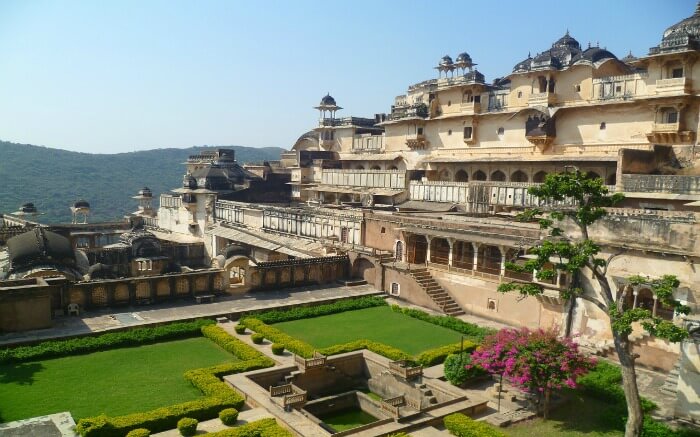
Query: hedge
[[463, 426], [431, 357], [262, 427], [187, 426], [276, 336], [257, 338], [139, 432], [604, 383], [474, 332], [112, 340], [219, 395], [229, 416], [456, 371], [240, 329], [378, 348], [277, 348], [296, 313]]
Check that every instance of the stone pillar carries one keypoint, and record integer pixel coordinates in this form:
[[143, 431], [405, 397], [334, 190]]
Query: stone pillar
[[635, 292], [503, 251], [451, 242], [427, 251], [656, 301], [475, 246], [558, 278]]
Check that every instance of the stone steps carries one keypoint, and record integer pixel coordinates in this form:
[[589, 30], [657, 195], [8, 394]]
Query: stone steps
[[436, 293], [670, 386]]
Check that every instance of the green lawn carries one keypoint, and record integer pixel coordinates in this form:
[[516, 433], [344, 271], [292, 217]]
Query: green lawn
[[114, 382], [581, 416], [380, 324], [347, 419]]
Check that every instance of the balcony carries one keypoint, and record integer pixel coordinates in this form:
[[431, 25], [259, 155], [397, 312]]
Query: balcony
[[669, 133], [470, 108], [542, 99], [416, 141], [676, 85]]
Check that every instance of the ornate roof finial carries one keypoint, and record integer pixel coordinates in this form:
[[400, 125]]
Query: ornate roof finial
[[589, 44], [697, 9], [567, 32], [597, 44], [529, 55]]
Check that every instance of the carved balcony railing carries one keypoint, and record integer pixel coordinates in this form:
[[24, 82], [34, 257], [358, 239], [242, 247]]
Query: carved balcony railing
[[318, 360], [470, 108], [675, 85], [404, 369], [416, 141], [670, 133], [542, 99]]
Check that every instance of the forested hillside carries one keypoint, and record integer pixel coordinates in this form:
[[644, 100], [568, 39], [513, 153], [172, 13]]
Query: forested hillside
[[53, 179]]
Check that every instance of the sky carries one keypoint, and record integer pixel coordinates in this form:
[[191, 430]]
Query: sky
[[120, 76]]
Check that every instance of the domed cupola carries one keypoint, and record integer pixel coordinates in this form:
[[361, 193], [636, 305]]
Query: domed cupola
[[145, 192], [567, 41], [28, 208], [445, 65], [81, 204], [327, 100], [684, 35]]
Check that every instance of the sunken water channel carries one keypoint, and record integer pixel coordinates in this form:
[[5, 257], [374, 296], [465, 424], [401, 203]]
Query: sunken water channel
[[351, 393]]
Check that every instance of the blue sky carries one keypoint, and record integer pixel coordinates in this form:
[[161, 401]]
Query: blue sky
[[107, 77]]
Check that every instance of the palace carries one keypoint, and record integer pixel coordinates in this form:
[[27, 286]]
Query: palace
[[420, 202]]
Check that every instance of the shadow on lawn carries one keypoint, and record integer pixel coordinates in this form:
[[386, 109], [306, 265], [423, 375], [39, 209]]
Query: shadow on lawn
[[586, 415], [21, 373]]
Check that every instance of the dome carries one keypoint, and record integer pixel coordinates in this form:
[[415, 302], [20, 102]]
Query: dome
[[81, 204], [28, 208], [446, 61], [629, 58], [464, 58], [39, 246], [145, 192], [560, 55], [188, 181], [567, 41], [681, 36], [100, 271], [475, 76], [327, 100]]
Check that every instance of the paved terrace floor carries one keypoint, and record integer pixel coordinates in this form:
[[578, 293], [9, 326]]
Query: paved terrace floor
[[230, 306]]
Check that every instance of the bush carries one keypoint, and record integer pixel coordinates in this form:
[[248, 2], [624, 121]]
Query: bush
[[276, 336], [259, 428], [378, 348], [474, 332], [139, 432], [257, 338], [187, 426], [84, 345], [230, 343], [240, 329], [277, 348], [604, 383], [432, 357], [296, 313], [464, 426], [229, 416], [455, 370]]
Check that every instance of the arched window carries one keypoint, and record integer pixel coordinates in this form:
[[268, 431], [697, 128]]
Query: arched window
[[393, 167], [498, 176], [519, 176], [360, 167], [444, 175], [479, 176], [375, 167], [461, 176], [539, 177]]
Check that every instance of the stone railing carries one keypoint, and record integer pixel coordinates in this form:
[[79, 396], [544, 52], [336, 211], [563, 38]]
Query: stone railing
[[542, 99], [392, 405], [470, 107], [150, 222], [665, 127], [661, 184], [281, 390], [395, 179], [675, 84], [650, 213], [304, 364], [403, 369], [296, 398], [367, 143], [170, 201]]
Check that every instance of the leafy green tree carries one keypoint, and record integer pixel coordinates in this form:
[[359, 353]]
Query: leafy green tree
[[582, 200]]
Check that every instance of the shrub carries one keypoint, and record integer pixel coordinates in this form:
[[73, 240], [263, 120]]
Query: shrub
[[474, 332], [230, 343], [187, 426], [604, 383], [139, 432], [229, 416], [464, 426], [378, 348], [276, 336], [240, 329], [259, 428], [257, 338], [83, 345], [277, 348], [296, 313], [432, 357], [455, 370]]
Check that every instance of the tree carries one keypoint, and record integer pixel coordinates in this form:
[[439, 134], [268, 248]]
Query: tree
[[535, 361], [586, 199]]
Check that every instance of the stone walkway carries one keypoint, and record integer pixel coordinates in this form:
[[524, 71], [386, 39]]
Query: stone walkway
[[214, 425], [229, 306]]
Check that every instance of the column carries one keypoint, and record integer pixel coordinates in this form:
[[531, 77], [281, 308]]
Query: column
[[475, 264], [635, 292], [427, 251], [558, 278], [450, 241], [653, 311], [503, 251]]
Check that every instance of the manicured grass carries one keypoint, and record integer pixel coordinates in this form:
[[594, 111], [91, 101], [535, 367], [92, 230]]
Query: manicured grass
[[582, 416], [347, 419], [115, 382], [379, 324]]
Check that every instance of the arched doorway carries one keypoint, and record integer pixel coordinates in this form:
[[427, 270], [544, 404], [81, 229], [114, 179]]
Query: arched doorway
[[539, 177], [498, 176], [236, 268], [439, 251], [463, 255], [461, 176], [417, 249], [519, 176], [479, 176]]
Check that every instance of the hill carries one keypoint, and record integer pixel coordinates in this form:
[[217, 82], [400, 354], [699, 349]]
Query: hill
[[53, 178]]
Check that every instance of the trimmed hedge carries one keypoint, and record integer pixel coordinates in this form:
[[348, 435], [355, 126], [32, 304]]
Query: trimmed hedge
[[219, 395], [296, 313], [378, 348], [277, 349], [463, 426], [259, 428], [276, 336], [187, 426], [431, 357], [229, 416], [112, 340], [257, 338], [139, 432], [240, 329], [474, 332]]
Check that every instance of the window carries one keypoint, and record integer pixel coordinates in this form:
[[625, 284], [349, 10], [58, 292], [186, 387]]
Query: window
[[520, 94], [449, 132], [577, 88], [468, 133], [618, 89], [449, 103], [419, 131], [602, 126], [395, 289], [671, 117], [677, 72], [501, 131], [491, 305]]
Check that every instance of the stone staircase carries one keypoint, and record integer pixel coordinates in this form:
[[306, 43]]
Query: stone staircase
[[670, 386], [436, 292], [427, 394]]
